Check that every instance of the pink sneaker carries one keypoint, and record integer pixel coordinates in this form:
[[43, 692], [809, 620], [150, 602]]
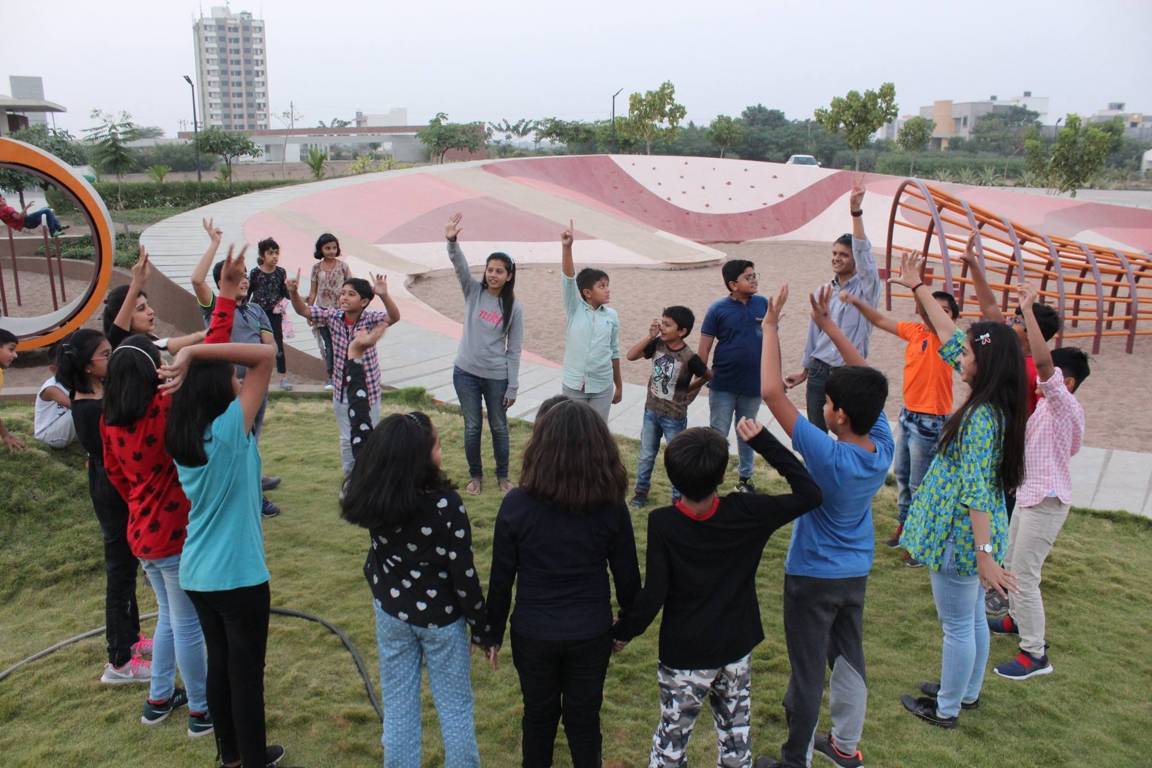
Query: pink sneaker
[[135, 671], [142, 647]]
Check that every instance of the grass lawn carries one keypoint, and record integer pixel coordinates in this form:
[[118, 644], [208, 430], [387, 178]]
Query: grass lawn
[[1093, 711], [145, 215]]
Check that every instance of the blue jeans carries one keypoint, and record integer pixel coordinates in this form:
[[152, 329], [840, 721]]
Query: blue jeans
[[723, 405], [402, 647], [470, 390], [178, 640], [814, 394], [32, 220], [655, 426], [915, 446], [960, 606]]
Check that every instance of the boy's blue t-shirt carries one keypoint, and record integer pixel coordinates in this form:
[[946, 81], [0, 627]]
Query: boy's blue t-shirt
[[836, 540], [224, 548], [736, 356]]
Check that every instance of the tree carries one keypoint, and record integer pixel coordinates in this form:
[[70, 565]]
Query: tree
[[913, 137], [317, 160], [158, 172], [858, 116], [228, 146], [1001, 132], [440, 136], [725, 132], [110, 153], [1080, 150], [59, 143], [654, 115], [335, 123]]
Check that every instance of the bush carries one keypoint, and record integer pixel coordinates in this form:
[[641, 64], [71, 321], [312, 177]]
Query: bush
[[950, 165], [177, 194], [80, 249]]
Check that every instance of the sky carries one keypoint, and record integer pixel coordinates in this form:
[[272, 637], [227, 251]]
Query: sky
[[494, 60]]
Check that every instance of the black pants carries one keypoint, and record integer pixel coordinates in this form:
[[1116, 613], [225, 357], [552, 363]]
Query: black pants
[[326, 345], [121, 615], [277, 321], [823, 624], [818, 373], [235, 624], [561, 679]]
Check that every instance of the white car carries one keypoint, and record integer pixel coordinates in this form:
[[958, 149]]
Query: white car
[[802, 160]]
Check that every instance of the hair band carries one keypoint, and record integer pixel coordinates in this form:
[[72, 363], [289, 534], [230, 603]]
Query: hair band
[[146, 355]]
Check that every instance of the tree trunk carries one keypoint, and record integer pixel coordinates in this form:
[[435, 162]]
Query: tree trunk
[[721, 153], [857, 154]]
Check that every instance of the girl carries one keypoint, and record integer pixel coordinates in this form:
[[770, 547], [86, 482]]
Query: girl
[[209, 436], [957, 525], [328, 276], [127, 312], [420, 571], [558, 534], [266, 288], [488, 361], [81, 367]]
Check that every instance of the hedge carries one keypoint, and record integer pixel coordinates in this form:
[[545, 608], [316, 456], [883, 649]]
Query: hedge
[[176, 194], [933, 164]]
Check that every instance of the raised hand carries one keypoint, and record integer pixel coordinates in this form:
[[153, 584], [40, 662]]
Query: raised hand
[[293, 283], [453, 229], [775, 308], [654, 329], [1026, 294], [821, 301], [142, 269], [911, 267], [379, 284], [214, 234], [568, 235], [857, 196], [748, 428], [233, 272], [172, 374], [969, 256]]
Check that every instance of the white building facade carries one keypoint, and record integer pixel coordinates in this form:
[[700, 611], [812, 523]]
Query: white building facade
[[231, 70]]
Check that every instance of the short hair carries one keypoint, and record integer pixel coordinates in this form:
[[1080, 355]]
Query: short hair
[[953, 307], [860, 392], [845, 239], [265, 245], [322, 241], [587, 278], [695, 461], [731, 270], [549, 404], [361, 286], [1046, 317], [682, 316], [1072, 361], [7, 337]]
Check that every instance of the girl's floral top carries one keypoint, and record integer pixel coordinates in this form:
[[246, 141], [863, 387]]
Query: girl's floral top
[[328, 282]]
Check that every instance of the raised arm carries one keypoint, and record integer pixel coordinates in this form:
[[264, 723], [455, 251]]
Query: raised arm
[[855, 200], [259, 359], [989, 309], [822, 317], [870, 313], [301, 307], [1041, 355], [783, 508], [772, 388], [380, 288], [567, 266], [141, 271], [452, 230], [636, 351], [911, 267], [199, 276]]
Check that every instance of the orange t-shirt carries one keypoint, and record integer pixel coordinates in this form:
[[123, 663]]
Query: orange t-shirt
[[927, 378]]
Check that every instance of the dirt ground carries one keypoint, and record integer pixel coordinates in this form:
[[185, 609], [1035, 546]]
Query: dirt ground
[[638, 295]]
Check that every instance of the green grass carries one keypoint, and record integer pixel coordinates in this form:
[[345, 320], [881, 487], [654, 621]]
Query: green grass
[[145, 215], [1093, 711]]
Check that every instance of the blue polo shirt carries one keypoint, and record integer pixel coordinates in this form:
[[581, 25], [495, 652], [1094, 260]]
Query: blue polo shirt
[[736, 357]]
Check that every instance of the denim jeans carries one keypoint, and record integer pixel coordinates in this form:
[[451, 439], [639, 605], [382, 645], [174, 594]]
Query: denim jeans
[[655, 426], [33, 219], [177, 641], [723, 405], [344, 425], [323, 336], [915, 445], [470, 391], [818, 373], [402, 648], [960, 606]]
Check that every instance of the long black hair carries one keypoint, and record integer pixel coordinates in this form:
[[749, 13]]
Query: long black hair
[[393, 471], [131, 382], [73, 355], [205, 394], [508, 292], [322, 241], [112, 304], [1001, 383]]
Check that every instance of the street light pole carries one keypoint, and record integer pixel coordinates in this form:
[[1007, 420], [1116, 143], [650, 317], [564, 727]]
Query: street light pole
[[615, 143], [195, 131]]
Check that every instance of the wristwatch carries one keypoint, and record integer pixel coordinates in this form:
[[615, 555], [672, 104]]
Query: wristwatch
[[984, 548]]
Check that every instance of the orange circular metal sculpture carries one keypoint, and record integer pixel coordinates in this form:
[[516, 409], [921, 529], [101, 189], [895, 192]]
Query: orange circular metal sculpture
[[45, 329]]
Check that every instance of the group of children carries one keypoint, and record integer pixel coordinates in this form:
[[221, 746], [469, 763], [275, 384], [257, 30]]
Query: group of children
[[176, 482]]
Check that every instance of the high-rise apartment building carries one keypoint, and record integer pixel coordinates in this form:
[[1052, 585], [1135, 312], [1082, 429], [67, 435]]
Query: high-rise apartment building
[[231, 70]]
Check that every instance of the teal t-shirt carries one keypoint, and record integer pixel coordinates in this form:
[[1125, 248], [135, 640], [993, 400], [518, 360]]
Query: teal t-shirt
[[225, 544]]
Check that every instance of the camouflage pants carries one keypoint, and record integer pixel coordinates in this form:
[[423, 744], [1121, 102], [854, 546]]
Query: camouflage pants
[[682, 694]]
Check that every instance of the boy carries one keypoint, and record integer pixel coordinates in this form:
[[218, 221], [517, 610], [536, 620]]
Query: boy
[[669, 390], [52, 422], [19, 220], [927, 397], [592, 339], [1055, 431], [703, 553], [733, 324], [7, 357], [830, 555]]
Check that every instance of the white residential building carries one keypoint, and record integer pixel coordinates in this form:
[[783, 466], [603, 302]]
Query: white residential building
[[231, 70]]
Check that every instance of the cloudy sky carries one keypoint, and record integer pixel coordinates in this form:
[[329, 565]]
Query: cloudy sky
[[492, 60]]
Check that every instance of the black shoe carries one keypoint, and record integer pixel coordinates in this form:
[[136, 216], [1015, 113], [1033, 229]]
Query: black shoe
[[272, 756], [269, 509], [933, 690], [639, 500], [894, 541], [745, 485], [924, 707], [269, 483], [766, 762], [824, 745]]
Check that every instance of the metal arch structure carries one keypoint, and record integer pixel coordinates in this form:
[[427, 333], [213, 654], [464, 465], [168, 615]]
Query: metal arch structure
[[1099, 291], [50, 327]]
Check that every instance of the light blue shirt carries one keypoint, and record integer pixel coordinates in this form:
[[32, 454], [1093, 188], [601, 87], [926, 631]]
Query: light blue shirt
[[225, 544], [592, 341], [865, 285]]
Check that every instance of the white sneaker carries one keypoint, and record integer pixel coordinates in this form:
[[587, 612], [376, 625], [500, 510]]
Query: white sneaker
[[285, 385], [135, 671], [328, 387]]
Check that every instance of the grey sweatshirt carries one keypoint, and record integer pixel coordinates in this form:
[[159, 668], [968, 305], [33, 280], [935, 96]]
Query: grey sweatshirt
[[485, 350]]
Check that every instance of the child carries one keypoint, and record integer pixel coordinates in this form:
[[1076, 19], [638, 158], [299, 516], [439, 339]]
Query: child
[[266, 289], [957, 525], [8, 356], [666, 409], [488, 362], [18, 220], [557, 536], [420, 570], [703, 553], [81, 368], [52, 420], [329, 275], [592, 338], [342, 323], [733, 324], [210, 437], [126, 311], [830, 554], [1053, 436], [927, 396]]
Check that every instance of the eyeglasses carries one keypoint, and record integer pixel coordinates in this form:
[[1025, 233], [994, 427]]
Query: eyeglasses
[[1014, 320], [750, 277]]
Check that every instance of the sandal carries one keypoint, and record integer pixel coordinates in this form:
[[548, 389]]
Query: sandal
[[474, 487], [505, 485]]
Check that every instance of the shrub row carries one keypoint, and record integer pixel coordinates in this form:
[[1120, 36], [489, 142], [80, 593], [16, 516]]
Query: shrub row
[[176, 194]]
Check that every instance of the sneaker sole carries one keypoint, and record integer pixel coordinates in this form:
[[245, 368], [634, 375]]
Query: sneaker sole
[[1034, 673], [157, 721], [833, 760], [145, 681], [197, 734]]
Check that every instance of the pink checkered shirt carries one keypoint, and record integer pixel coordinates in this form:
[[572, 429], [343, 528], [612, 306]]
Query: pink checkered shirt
[[342, 335], [1052, 438]]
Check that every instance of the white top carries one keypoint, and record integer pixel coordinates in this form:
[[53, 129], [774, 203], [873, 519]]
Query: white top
[[48, 411]]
